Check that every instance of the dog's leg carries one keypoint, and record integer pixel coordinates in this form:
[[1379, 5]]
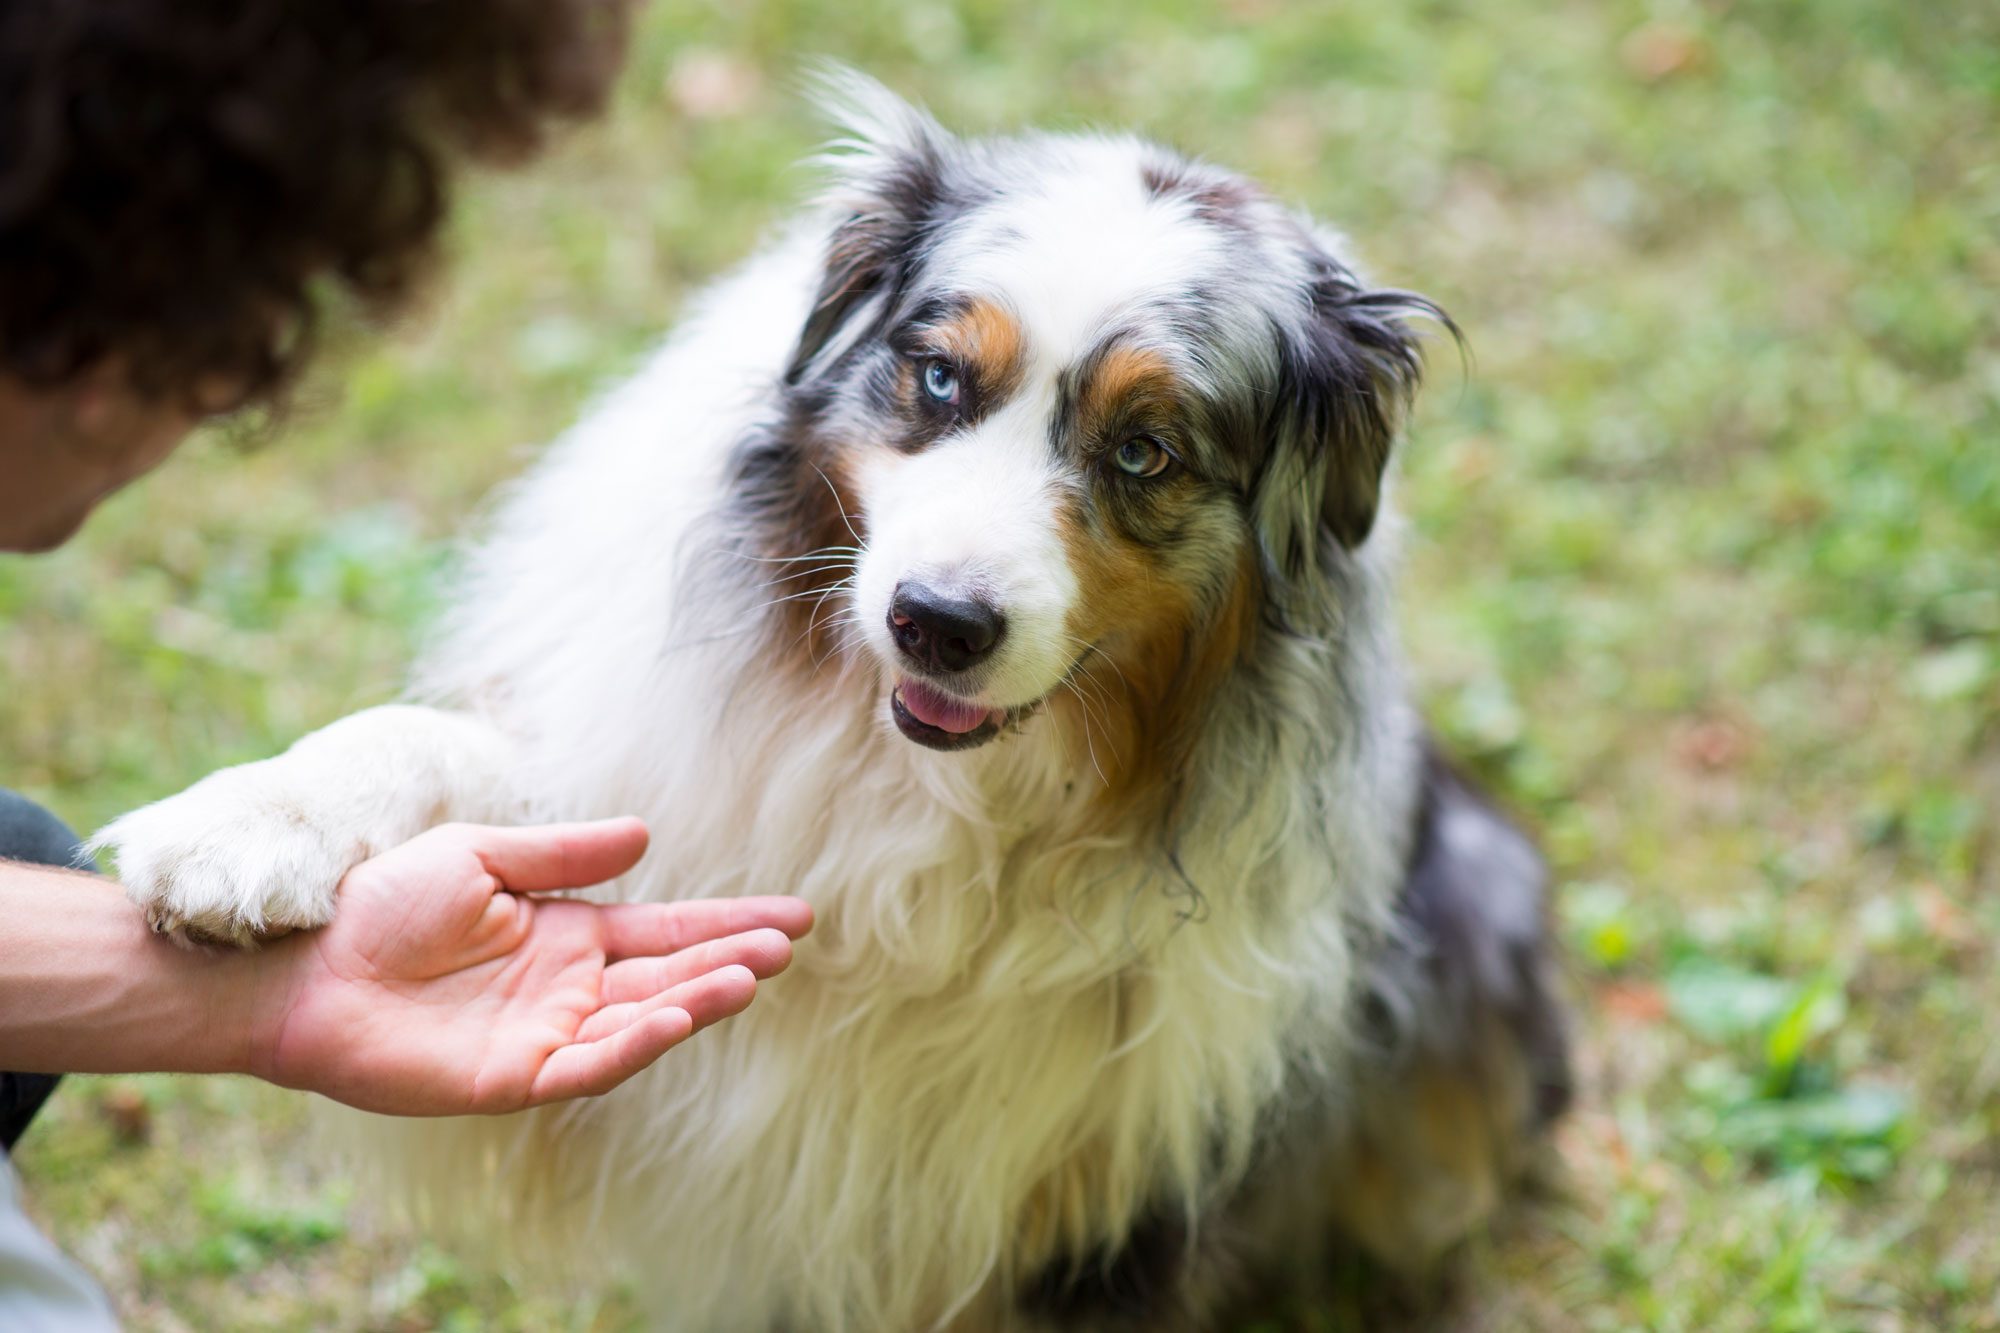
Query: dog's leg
[[259, 849], [1163, 1278], [1468, 1059]]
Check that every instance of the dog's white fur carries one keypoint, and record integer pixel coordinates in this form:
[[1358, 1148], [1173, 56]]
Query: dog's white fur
[[1006, 1036]]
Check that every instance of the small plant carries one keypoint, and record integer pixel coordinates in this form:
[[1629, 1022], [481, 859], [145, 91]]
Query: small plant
[[1772, 1094]]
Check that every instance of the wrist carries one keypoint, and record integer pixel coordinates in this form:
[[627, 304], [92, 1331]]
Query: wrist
[[86, 987], [264, 991], [206, 1003]]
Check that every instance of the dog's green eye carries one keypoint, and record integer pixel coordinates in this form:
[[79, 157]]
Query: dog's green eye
[[940, 380], [1142, 456]]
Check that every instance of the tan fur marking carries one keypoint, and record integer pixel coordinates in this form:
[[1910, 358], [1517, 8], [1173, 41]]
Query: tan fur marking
[[1160, 657], [1128, 385], [827, 515], [986, 340]]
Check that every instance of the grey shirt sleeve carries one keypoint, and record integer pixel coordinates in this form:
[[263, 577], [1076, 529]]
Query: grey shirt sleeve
[[40, 1290]]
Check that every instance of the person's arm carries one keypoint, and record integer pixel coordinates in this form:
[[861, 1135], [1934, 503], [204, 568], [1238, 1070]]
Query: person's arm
[[86, 988], [442, 987]]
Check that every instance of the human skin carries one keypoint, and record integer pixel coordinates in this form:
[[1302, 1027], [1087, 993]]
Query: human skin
[[62, 451], [450, 982]]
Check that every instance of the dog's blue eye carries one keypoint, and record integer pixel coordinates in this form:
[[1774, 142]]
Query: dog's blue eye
[[1142, 456], [941, 381]]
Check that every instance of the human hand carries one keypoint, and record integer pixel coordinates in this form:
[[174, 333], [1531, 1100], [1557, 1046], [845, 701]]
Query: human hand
[[442, 987]]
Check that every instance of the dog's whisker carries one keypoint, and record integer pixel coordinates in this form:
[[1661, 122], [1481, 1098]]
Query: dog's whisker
[[1081, 679], [1081, 676], [1092, 650], [798, 596], [819, 657], [809, 555], [1088, 743], [793, 575], [812, 621], [801, 574], [839, 504], [834, 558]]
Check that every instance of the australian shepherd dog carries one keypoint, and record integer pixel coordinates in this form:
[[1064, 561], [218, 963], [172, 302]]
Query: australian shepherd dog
[[1001, 560]]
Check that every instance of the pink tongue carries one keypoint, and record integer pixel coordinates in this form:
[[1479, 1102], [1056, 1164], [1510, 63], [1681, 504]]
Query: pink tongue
[[936, 708]]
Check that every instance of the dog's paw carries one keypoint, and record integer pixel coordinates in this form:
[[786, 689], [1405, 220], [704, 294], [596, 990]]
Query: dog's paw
[[230, 861]]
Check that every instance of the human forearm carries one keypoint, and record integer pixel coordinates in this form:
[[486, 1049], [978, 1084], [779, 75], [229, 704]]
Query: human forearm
[[453, 980], [86, 987]]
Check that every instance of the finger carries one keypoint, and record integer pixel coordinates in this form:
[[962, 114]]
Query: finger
[[765, 952], [590, 1069], [707, 998], [632, 930], [603, 1056], [555, 856]]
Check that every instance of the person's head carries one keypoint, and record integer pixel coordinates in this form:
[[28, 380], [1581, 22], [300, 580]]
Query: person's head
[[182, 182]]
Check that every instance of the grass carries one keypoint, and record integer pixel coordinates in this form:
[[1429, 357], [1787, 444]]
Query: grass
[[1705, 577]]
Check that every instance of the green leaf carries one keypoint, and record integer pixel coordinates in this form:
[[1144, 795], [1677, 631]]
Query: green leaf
[[1817, 1010], [1862, 1114], [1957, 672], [1722, 1003]]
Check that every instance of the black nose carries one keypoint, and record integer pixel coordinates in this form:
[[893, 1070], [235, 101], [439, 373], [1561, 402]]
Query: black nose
[[941, 632]]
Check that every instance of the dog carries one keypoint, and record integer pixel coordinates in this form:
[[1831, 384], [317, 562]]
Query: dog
[[1002, 561]]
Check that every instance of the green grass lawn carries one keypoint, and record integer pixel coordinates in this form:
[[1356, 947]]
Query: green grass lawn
[[1705, 577]]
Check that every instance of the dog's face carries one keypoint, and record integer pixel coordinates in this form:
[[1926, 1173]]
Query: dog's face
[[1081, 410]]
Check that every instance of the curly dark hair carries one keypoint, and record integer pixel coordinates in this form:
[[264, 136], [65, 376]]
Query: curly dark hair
[[181, 179]]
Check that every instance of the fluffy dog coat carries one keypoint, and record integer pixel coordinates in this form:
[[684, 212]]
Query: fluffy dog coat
[[1184, 956]]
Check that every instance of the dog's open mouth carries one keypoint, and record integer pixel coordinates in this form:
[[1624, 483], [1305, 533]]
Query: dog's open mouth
[[930, 716]]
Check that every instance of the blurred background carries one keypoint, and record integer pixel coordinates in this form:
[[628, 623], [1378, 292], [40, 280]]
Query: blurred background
[[1704, 576]]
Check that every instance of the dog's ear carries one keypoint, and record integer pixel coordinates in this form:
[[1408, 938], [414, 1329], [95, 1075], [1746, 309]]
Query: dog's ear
[[888, 195], [1347, 369]]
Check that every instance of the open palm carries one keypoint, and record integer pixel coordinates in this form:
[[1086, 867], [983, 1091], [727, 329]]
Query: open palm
[[443, 988]]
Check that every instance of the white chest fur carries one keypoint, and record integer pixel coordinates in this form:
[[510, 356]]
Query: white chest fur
[[1002, 1040]]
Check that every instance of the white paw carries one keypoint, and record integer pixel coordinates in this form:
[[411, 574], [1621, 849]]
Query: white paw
[[231, 860]]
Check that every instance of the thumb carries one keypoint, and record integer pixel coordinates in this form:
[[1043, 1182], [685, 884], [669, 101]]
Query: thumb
[[558, 856]]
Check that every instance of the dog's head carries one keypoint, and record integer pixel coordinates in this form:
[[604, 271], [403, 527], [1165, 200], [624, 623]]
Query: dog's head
[[1073, 417]]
